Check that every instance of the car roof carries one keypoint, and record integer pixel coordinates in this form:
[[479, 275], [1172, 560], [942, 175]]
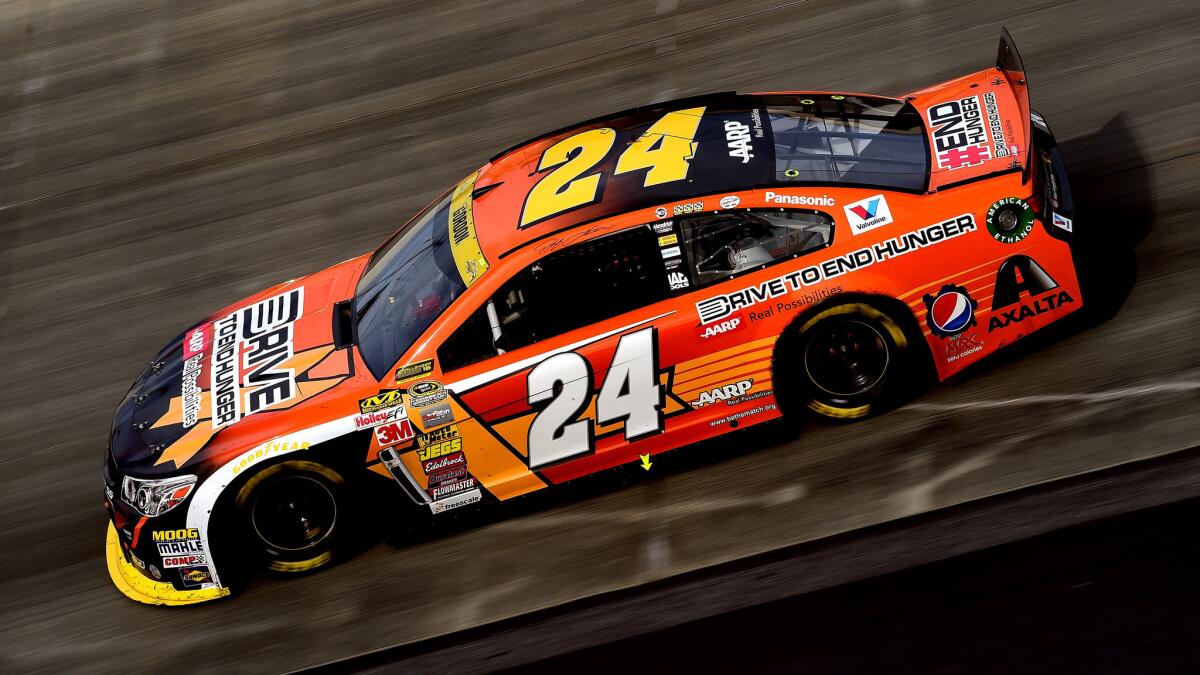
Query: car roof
[[733, 149]]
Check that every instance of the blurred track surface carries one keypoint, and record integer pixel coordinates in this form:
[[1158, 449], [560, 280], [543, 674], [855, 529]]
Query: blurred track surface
[[159, 161]]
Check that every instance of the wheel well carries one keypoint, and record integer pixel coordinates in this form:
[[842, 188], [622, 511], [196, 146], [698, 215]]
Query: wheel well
[[895, 309]]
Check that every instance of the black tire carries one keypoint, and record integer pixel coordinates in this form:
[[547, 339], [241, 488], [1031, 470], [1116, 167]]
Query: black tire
[[295, 515], [843, 363]]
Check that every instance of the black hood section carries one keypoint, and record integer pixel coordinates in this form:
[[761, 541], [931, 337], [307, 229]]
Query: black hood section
[[133, 443]]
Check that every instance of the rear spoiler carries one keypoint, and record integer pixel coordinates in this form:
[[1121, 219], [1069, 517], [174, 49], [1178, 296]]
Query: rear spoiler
[[1008, 60]]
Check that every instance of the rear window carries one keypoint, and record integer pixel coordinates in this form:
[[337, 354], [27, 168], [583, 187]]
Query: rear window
[[851, 140]]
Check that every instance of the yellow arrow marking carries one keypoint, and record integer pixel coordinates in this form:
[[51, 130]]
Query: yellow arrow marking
[[645, 461]]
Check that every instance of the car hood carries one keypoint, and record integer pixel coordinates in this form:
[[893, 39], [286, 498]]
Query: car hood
[[250, 371]]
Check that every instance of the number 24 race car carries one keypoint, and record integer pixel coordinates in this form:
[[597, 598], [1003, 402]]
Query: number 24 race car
[[624, 287]]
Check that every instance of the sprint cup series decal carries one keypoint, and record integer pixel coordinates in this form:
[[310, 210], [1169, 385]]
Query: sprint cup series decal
[[249, 346]]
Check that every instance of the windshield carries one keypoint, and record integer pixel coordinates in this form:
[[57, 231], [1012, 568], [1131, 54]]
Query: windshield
[[409, 282]]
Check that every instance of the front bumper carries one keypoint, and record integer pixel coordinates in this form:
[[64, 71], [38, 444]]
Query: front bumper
[[136, 586]]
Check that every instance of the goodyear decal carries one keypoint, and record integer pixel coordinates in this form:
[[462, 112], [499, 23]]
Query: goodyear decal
[[463, 242]]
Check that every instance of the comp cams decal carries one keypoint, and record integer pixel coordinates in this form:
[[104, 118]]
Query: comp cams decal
[[249, 346], [721, 306]]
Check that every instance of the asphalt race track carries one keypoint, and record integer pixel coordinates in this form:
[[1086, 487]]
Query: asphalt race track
[[161, 160]]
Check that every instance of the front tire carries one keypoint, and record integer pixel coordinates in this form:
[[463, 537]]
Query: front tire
[[294, 514], [843, 363]]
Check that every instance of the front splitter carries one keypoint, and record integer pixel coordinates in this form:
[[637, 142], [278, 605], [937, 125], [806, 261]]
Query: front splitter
[[135, 586]]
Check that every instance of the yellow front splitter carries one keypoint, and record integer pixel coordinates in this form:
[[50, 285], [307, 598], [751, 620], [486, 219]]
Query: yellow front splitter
[[135, 586]]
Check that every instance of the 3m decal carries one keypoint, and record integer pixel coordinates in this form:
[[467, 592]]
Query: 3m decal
[[951, 312], [414, 370], [389, 398], [394, 433], [721, 306], [464, 245], [560, 387], [1020, 274], [959, 137], [1010, 220], [867, 214], [250, 344]]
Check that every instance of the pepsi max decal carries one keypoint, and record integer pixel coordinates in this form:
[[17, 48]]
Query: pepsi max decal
[[950, 312], [868, 214]]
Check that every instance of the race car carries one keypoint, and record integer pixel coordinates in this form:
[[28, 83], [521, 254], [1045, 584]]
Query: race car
[[625, 287]]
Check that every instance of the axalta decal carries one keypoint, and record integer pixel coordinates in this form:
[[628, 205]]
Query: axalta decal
[[463, 242], [250, 344], [721, 306]]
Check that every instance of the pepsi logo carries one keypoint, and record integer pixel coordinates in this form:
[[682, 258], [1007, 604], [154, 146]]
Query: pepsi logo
[[950, 312]]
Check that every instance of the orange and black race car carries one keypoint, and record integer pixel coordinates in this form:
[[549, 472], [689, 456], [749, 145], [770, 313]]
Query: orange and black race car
[[621, 288]]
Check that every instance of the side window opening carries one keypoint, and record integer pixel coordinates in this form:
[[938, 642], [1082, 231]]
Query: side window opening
[[723, 245], [565, 290]]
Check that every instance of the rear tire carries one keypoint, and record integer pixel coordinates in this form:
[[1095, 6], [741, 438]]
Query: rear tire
[[294, 514], [843, 363]]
